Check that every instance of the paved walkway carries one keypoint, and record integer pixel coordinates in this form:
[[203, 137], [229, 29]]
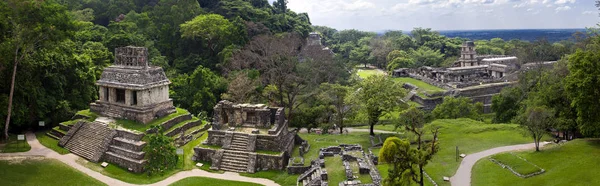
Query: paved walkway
[[39, 150], [367, 130], [463, 174]]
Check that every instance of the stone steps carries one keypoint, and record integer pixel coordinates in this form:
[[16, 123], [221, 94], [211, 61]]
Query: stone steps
[[64, 127], [138, 155], [235, 161], [91, 141], [132, 145], [183, 126], [52, 136], [239, 142], [134, 165]]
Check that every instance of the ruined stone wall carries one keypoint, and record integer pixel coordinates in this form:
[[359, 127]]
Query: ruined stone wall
[[203, 154], [428, 103], [215, 137], [270, 162], [483, 89]]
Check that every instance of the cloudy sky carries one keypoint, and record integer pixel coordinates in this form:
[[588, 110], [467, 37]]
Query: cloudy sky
[[378, 15]]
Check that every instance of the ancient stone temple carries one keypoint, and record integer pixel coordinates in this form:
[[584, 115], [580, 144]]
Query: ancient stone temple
[[132, 89], [239, 131], [468, 55]]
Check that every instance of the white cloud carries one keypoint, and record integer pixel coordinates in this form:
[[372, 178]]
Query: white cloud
[[589, 12], [563, 8], [545, 1], [560, 2], [358, 5], [530, 9]]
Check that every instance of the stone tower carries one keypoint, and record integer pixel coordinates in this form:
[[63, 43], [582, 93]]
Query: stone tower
[[468, 55], [132, 89]]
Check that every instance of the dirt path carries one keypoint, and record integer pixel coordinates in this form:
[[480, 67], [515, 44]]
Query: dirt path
[[39, 150], [463, 174]]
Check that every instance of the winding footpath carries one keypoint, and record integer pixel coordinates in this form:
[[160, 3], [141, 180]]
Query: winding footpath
[[463, 174], [367, 130], [38, 150]]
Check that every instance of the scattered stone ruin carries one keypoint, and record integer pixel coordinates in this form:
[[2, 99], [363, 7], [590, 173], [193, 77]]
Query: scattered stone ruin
[[239, 131], [132, 89], [478, 77], [316, 174]]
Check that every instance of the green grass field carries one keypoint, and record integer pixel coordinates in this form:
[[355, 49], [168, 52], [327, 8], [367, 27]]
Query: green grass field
[[423, 87], [133, 125], [49, 142], [364, 73], [573, 163], [470, 136], [14, 145], [42, 172], [517, 164], [210, 182]]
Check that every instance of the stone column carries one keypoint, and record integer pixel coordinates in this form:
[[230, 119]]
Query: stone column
[[128, 97], [101, 93], [112, 95]]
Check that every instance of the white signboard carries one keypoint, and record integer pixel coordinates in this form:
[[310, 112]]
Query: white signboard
[[42, 123], [21, 137], [179, 151]]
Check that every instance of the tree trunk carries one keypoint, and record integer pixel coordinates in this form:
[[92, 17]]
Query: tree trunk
[[371, 131], [10, 98], [537, 145], [421, 176]]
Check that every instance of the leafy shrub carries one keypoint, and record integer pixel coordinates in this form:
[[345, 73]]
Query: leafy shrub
[[160, 153]]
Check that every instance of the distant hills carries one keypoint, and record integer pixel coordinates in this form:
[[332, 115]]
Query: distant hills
[[552, 35]]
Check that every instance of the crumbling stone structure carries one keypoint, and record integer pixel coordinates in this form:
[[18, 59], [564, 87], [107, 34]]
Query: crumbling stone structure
[[239, 130], [132, 89]]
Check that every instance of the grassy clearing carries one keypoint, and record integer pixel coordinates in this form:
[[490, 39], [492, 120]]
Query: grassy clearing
[[517, 164], [137, 126], [92, 116], [421, 84], [388, 127], [280, 177], [470, 136], [210, 182], [364, 73], [42, 172], [573, 163], [14, 145], [336, 172], [49, 142]]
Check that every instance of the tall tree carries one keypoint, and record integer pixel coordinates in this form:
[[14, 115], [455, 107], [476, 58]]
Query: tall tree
[[408, 162], [377, 95], [582, 88], [214, 29], [337, 96], [32, 24], [536, 121], [414, 120]]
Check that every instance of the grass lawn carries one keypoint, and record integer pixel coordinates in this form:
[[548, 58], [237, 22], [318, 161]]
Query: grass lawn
[[92, 116], [363, 73], [210, 182], [336, 172], [49, 142], [517, 164], [470, 136], [140, 127], [14, 145], [573, 163], [42, 172], [423, 86]]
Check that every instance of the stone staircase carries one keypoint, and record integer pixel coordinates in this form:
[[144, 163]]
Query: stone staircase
[[314, 176], [239, 142], [90, 141], [125, 150], [59, 131], [234, 161]]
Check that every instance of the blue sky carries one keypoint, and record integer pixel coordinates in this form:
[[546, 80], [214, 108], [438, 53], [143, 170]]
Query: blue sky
[[378, 15]]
